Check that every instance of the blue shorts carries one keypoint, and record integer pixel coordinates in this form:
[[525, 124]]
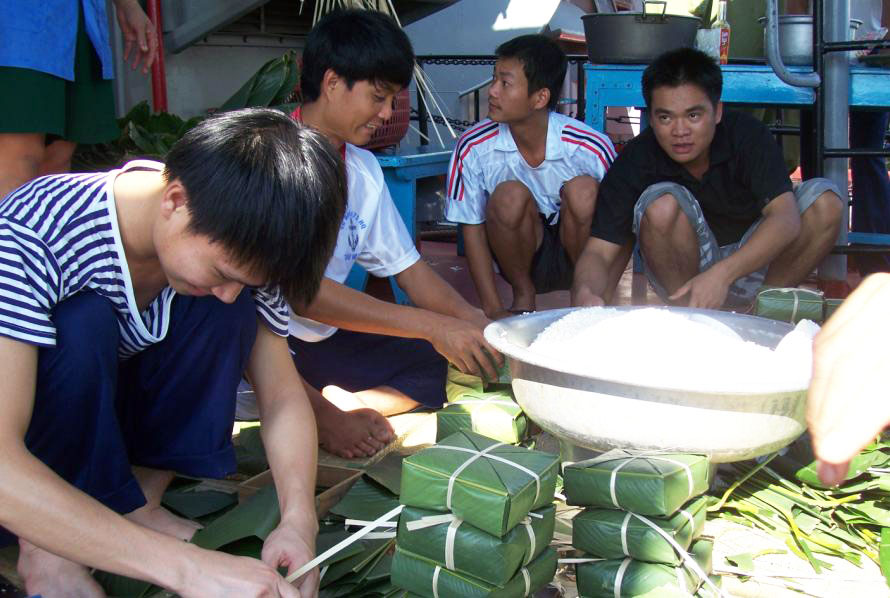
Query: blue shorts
[[357, 361], [170, 407], [742, 290]]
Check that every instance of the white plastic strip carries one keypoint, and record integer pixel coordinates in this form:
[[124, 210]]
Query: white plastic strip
[[619, 577], [688, 561], [450, 537], [484, 453], [577, 561], [624, 523], [681, 579], [459, 470], [535, 515], [380, 536], [382, 521], [322, 572], [429, 521], [531, 541], [689, 518], [613, 477], [362, 523], [528, 581], [436, 581]]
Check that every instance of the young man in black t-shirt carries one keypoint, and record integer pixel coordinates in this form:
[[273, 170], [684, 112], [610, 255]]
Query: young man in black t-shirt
[[705, 193]]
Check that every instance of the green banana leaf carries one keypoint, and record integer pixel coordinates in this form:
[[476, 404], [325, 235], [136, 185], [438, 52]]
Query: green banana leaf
[[885, 553], [365, 501], [491, 493], [476, 553], [256, 517], [118, 586], [194, 504], [271, 84], [648, 485], [419, 575], [607, 532]]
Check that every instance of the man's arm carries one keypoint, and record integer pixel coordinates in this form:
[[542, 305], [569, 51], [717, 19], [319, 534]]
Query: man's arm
[[590, 285], [479, 260], [460, 341], [778, 229], [289, 435], [37, 505]]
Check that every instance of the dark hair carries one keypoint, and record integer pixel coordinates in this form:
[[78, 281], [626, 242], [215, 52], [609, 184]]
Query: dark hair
[[681, 67], [269, 190], [358, 45], [543, 62]]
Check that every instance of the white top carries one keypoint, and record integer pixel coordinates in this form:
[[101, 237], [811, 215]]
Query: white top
[[372, 234], [59, 235], [486, 156]]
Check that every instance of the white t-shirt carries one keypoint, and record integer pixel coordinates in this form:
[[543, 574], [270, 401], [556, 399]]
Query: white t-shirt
[[372, 233], [59, 235], [486, 156]]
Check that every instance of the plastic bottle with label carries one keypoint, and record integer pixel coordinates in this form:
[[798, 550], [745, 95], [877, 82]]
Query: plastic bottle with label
[[722, 25]]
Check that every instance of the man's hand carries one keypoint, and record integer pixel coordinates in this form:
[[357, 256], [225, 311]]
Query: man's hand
[[464, 345], [706, 290], [288, 546], [847, 404], [139, 32], [218, 574]]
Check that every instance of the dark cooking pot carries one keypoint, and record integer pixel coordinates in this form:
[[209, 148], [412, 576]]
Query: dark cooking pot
[[636, 37]]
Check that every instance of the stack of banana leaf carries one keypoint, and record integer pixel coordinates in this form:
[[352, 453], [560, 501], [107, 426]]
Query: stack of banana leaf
[[642, 525], [782, 495], [479, 520], [489, 410], [147, 135]]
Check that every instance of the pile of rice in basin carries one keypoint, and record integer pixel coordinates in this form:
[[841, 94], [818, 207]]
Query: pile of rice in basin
[[679, 350]]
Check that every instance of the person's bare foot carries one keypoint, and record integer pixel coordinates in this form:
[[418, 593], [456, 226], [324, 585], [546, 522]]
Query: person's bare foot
[[51, 576], [353, 434], [161, 520]]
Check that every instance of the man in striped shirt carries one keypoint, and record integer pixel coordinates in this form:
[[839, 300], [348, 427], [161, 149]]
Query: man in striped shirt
[[130, 304], [523, 183]]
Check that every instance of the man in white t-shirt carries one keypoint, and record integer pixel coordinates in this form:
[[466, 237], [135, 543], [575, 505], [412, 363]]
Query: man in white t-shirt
[[523, 183], [385, 358]]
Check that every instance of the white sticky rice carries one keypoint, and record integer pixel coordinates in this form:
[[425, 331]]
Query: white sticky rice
[[664, 349]]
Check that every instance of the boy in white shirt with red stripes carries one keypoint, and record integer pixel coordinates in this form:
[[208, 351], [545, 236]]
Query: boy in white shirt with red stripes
[[523, 183]]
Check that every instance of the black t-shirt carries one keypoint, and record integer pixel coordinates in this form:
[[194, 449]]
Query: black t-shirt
[[746, 172]]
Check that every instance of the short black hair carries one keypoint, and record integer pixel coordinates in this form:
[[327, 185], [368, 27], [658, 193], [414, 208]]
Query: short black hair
[[681, 67], [543, 62], [267, 189], [358, 45]]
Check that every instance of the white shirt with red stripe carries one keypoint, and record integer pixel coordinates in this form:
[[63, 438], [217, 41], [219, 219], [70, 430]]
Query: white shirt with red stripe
[[486, 156]]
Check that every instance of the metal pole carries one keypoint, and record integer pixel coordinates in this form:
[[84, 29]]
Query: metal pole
[[835, 111]]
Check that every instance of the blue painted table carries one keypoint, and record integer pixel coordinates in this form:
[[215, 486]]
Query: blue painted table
[[401, 170], [619, 85]]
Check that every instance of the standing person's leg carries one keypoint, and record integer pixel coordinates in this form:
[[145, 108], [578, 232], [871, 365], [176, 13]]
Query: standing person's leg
[[514, 232], [74, 430], [177, 400], [674, 238], [871, 185]]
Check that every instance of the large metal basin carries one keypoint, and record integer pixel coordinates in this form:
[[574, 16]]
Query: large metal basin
[[601, 414]]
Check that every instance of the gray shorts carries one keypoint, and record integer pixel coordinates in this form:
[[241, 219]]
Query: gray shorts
[[742, 290]]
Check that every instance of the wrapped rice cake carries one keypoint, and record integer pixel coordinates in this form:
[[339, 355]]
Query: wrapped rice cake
[[490, 485], [648, 484], [458, 546], [614, 534], [427, 578], [629, 578]]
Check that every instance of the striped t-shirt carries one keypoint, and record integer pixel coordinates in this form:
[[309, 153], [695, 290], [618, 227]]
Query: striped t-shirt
[[59, 235]]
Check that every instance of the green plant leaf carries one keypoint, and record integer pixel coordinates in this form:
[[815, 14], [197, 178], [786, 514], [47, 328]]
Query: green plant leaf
[[366, 501], [257, 516], [884, 553]]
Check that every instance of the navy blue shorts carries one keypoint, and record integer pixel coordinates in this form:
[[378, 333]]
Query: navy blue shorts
[[170, 407], [357, 361]]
